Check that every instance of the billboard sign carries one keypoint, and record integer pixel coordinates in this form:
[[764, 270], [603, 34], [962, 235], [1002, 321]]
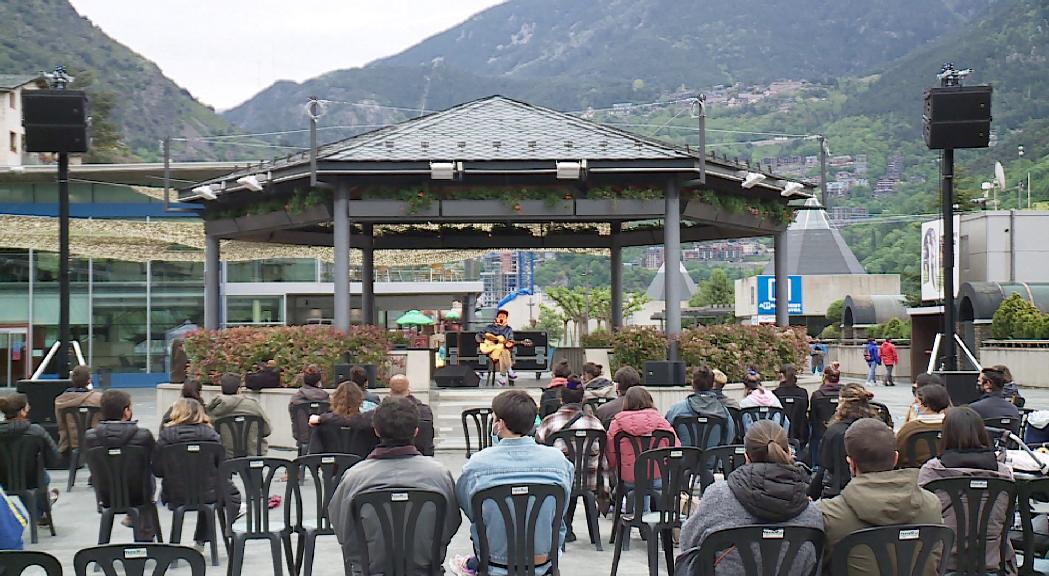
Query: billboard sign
[[932, 259], [767, 298]]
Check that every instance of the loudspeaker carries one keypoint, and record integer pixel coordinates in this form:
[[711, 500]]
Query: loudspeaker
[[458, 376], [961, 386], [342, 373], [664, 373], [55, 120], [957, 117]]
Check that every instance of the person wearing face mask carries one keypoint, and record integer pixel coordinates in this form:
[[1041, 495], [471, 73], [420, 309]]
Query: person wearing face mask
[[311, 391]]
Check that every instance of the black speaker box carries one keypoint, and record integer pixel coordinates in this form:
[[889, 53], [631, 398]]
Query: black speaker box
[[342, 373], [458, 376], [961, 386], [664, 373], [55, 120], [957, 117]]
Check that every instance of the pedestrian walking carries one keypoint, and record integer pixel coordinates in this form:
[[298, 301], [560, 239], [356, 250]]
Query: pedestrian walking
[[890, 359]]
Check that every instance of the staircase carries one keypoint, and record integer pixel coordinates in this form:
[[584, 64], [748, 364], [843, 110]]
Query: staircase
[[448, 404]]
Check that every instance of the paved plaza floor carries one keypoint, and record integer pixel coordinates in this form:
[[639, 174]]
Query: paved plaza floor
[[77, 520]]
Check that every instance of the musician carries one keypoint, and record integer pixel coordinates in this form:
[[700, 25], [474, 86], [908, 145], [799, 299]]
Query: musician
[[501, 335]]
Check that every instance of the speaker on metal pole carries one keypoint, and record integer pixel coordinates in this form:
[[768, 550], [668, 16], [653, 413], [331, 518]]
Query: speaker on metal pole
[[664, 373], [457, 376], [55, 120], [957, 117]]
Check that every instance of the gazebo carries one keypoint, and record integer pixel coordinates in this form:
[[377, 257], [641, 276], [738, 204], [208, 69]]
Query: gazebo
[[493, 173]]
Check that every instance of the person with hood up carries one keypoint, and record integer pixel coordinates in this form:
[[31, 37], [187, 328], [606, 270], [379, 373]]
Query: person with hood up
[[596, 385], [878, 495], [768, 489], [550, 401], [231, 403], [638, 418], [854, 404], [969, 453], [312, 390], [702, 402], [15, 408]]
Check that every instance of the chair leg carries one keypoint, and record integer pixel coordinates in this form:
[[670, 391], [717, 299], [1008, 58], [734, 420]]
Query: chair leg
[[668, 548], [288, 556], [300, 552], [177, 518], [278, 569], [157, 530], [74, 461], [212, 520], [619, 532], [653, 550], [29, 500], [105, 527], [590, 507], [50, 510], [236, 562]]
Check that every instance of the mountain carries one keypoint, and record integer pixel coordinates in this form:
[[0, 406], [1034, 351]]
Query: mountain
[[36, 35]]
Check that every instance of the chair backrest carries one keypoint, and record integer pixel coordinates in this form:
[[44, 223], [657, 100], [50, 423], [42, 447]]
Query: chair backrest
[[763, 550], [519, 508], [595, 403], [134, 558], [121, 476], [1004, 423], [724, 459], [697, 430], [22, 463], [301, 412], [325, 470], [932, 439], [397, 513], [737, 420], [239, 428], [755, 413], [821, 411], [795, 410], [639, 444], [256, 475], [1027, 492], [580, 446], [973, 501], [76, 420], [14, 562], [195, 466], [883, 413], [679, 470], [901, 550], [480, 420], [838, 474]]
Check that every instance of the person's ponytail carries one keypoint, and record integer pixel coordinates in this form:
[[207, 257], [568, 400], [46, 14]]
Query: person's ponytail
[[766, 441]]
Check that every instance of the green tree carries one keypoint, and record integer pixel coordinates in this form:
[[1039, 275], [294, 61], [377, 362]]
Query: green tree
[[717, 290], [835, 311], [551, 322], [573, 309]]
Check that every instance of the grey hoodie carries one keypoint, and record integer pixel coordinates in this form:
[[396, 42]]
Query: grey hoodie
[[225, 406]]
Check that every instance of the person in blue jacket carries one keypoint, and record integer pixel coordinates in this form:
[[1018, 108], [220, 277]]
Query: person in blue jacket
[[873, 358]]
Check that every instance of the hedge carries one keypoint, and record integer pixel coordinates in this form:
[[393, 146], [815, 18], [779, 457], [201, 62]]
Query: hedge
[[1017, 318]]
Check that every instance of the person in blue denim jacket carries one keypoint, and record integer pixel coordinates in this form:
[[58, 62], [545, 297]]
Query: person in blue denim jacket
[[514, 458]]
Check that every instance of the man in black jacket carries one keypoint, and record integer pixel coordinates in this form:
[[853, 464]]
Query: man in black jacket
[[400, 387], [118, 430]]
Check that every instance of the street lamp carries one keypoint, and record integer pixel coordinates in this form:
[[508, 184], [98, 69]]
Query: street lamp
[[1020, 153]]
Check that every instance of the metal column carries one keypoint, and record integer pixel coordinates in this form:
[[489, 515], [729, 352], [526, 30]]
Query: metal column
[[341, 270], [368, 312], [616, 262], [672, 267], [64, 334], [950, 354], [212, 268], [782, 281]]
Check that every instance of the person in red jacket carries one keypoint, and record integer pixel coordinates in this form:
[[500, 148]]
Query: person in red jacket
[[638, 418], [890, 359]]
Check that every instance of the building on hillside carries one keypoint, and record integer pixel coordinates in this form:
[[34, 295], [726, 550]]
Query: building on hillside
[[12, 134]]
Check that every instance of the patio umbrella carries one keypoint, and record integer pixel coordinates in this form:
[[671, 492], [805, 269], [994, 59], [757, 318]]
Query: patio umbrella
[[414, 318], [452, 315]]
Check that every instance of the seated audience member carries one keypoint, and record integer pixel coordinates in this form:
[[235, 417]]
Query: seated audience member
[[359, 376], [702, 402], [831, 385], [1011, 391], [514, 459], [190, 389], [394, 463], [789, 393], [853, 405], [79, 394], [720, 380], [923, 379], [266, 375], [15, 408], [933, 400], [328, 434], [878, 495], [118, 430], [597, 385], [400, 387], [312, 390], [755, 394], [626, 378], [550, 401], [993, 403], [232, 403], [968, 453], [189, 423], [638, 418], [769, 489]]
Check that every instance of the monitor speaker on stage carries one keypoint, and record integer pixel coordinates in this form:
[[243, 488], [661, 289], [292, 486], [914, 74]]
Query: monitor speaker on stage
[[55, 120], [457, 376], [664, 373]]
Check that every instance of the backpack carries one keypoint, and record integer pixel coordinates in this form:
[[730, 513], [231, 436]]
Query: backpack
[[13, 521]]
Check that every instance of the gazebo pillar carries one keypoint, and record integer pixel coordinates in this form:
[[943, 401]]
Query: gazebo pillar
[[368, 312], [672, 267], [616, 262], [341, 269], [782, 281], [212, 275]]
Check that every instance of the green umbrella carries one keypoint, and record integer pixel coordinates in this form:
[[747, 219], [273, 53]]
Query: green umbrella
[[414, 318], [452, 315]]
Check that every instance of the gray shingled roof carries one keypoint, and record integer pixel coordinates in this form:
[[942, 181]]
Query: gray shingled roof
[[498, 128], [12, 81], [657, 290], [814, 248]]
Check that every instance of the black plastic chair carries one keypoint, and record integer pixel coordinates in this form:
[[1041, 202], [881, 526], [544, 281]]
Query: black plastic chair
[[238, 428], [22, 475], [820, 412], [973, 500], [300, 413], [480, 419], [580, 445], [755, 413], [195, 465], [996, 426], [918, 544], [933, 440], [519, 506], [325, 470], [638, 444], [14, 562], [737, 421], [256, 476], [796, 409], [78, 419], [678, 470], [838, 475], [1032, 544], [763, 550], [595, 403], [699, 430], [883, 413], [123, 476], [133, 558], [724, 459], [398, 512]]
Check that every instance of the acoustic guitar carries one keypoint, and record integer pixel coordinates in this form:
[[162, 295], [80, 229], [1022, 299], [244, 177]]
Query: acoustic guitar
[[492, 345]]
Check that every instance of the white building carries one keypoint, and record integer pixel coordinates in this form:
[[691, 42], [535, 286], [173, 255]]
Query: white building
[[12, 135]]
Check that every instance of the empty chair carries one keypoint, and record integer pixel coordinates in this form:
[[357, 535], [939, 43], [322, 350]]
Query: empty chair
[[237, 433], [996, 426], [22, 474], [480, 421], [722, 460], [135, 558], [519, 507], [901, 550], [580, 445], [1033, 544], [123, 485], [324, 471], [398, 514], [763, 551], [78, 419], [15, 562], [256, 476], [192, 484]]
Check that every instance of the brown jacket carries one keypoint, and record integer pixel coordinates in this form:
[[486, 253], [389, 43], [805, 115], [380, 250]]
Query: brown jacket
[[74, 398]]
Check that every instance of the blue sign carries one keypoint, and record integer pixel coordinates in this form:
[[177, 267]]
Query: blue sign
[[767, 296]]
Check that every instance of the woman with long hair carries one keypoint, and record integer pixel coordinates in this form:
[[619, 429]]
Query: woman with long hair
[[596, 384], [638, 418], [853, 404], [344, 429], [190, 389]]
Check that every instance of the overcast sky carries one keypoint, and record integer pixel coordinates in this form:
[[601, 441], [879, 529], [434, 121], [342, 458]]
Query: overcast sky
[[225, 51]]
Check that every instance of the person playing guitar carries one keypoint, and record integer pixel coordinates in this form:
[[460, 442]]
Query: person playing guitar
[[496, 341]]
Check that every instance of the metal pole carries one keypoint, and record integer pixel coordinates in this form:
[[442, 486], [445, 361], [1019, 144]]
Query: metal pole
[[212, 268], [149, 319], [63, 265], [616, 262], [672, 267], [368, 311], [823, 172], [341, 217], [782, 279], [947, 184], [702, 105], [313, 111]]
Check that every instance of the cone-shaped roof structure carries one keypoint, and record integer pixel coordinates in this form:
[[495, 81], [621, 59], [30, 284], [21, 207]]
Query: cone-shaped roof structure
[[815, 248]]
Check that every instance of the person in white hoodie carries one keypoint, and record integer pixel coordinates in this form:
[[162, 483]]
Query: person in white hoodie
[[756, 396]]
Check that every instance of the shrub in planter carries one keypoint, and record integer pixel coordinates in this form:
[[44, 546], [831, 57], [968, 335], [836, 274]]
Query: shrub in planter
[[238, 350], [598, 339], [633, 346], [734, 348]]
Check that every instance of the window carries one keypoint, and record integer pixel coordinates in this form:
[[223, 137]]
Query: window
[[14, 142], [12, 100]]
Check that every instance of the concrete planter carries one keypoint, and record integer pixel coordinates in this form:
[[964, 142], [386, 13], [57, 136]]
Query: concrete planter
[[221, 226], [389, 209], [497, 208], [260, 222], [619, 206], [312, 215]]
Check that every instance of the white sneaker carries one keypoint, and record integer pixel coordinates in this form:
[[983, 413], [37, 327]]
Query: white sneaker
[[457, 565], [500, 379]]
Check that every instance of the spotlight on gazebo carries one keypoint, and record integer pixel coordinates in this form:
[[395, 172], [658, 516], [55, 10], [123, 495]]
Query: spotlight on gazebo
[[251, 182], [205, 192], [571, 170], [753, 179], [792, 189], [443, 170]]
